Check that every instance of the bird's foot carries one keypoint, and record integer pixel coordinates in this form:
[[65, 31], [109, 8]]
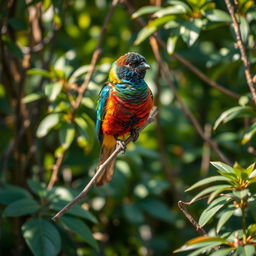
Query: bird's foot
[[122, 144], [134, 134]]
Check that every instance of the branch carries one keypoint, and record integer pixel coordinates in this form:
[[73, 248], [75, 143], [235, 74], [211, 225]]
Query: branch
[[83, 88], [95, 55], [182, 205], [101, 168], [241, 47], [182, 60], [167, 75]]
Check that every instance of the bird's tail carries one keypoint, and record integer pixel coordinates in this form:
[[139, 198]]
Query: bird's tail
[[107, 148]]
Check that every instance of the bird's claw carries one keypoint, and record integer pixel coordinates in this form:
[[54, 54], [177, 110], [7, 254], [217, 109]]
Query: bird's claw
[[134, 134], [122, 145]]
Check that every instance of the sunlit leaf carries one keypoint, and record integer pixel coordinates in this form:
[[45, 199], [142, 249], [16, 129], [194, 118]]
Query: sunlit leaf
[[217, 15], [178, 9], [145, 10], [47, 124], [67, 135], [32, 97], [232, 113], [223, 167], [244, 28]]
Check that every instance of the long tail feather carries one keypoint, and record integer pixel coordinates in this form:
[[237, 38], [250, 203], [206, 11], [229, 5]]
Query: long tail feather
[[107, 148]]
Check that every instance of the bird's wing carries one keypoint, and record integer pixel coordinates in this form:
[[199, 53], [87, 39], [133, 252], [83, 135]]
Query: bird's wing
[[104, 94]]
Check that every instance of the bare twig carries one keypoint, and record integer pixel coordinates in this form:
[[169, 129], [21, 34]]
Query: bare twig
[[167, 75], [241, 47], [184, 61], [101, 168], [81, 90], [183, 208]]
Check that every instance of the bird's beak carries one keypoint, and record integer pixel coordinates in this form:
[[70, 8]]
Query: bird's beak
[[145, 66]]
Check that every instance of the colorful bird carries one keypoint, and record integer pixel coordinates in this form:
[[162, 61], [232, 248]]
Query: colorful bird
[[124, 106]]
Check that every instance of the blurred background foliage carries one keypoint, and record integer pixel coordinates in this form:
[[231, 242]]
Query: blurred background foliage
[[46, 50]]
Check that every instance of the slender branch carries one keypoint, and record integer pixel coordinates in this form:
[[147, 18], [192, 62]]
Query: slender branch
[[242, 49], [184, 61], [95, 57], [183, 208], [101, 168], [167, 75]]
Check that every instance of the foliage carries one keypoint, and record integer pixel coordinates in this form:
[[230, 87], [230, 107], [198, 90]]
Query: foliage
[[46, 49]]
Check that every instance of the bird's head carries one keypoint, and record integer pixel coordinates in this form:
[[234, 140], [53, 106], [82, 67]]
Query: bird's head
[[130, 67]]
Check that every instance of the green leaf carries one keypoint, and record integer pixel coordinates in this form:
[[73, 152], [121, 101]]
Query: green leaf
[[249, 134], [77, 73], [223, 167], [52, 90], [190, 31], [178, 9], [222, 252], [79, 227], [10, 194], [244, 28], [13, 49], [32, 97], [207, 191], [67, 135], [38, 188], [182, 4], [76, 210], [171, 43], [217, 15], [157, 209], [145, 10], [42, 237], [47, 124], [249, 250], [217, 192], [207, 181], [211, 210], [39, 72], [232, 113], [21, 207], [133, 213], [151, 27], [227, 214]]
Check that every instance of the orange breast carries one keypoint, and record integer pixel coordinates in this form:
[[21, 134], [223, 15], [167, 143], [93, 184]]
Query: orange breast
[[122, 116]]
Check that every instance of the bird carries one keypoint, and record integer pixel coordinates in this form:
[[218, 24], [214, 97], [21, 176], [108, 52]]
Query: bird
[[124, 105]]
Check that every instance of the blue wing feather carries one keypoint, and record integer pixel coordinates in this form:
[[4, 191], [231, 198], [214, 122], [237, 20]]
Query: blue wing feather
[[104, 94]]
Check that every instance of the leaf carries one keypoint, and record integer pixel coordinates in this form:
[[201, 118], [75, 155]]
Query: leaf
[[52, 90], [244, 28], [10, 194], [249, 250], [190, 31], [79, 227], [223, 167], [145, 10], [151, 28], [224, 218], [207, 191], [21, 207], [37, 188], [203, 239], [249, 134], [217, 192], [42, 237], [222, 252], [157, 209], [32, 97], [211, 210], [232, 113], [76, 210], [171, 43], [207, 181], [133, 213], [77, 73], [39, 72], [47, 124], [217, 15], [178, 9], [67, 135]]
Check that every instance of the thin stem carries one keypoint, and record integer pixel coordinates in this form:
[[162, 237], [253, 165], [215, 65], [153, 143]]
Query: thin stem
[[243, 221], [242, 49], [100, 170]]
